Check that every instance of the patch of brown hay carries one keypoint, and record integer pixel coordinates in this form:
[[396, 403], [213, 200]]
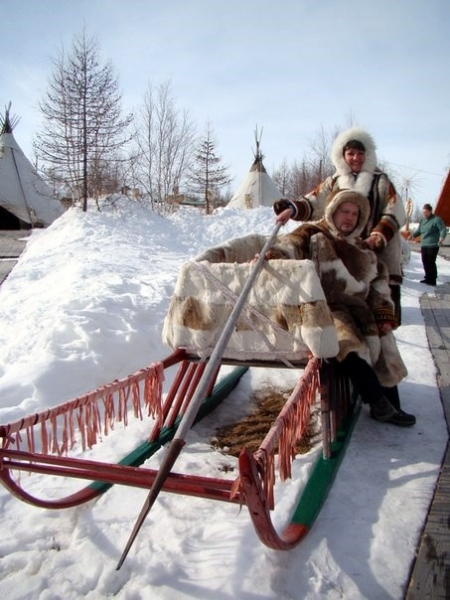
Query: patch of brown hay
[[251, 431]]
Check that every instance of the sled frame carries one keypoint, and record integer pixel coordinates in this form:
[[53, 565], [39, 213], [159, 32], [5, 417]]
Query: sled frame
[[250, 488]]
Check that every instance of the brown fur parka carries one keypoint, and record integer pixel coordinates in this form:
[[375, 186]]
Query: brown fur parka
[[355, 283]]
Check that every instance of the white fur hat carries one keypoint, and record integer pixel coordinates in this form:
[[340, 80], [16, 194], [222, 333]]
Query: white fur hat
[[337, 152]]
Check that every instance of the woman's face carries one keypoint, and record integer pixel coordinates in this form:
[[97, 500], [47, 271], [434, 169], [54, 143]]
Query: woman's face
[[355, 159]]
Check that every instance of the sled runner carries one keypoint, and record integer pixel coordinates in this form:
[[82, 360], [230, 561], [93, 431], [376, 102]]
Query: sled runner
[[281, 322]]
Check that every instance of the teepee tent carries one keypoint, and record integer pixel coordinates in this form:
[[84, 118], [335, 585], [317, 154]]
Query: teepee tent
[[25, 199], [442, 208], [257, 188]]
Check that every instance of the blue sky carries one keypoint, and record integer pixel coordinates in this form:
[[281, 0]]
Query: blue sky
[[291, 67]]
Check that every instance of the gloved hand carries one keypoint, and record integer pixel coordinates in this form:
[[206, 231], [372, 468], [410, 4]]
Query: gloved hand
[[280, 205]]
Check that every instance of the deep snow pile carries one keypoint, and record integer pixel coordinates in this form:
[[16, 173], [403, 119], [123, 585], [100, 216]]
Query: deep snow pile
[[84, 306]]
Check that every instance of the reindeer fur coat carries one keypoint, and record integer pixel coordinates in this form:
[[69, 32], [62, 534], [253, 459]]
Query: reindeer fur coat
[[386, 215], [355, 283]]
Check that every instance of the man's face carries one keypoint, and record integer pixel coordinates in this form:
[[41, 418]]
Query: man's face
[[355, 159], [426, 213], [346, 217]]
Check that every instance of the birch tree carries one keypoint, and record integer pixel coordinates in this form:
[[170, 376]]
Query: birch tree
[[164, 136]]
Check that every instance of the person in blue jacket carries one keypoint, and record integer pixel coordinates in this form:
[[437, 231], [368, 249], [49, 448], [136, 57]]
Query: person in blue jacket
[[432, 231]]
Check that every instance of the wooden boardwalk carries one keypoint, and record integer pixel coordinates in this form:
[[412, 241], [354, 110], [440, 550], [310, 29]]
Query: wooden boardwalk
[[430, 577], [12, 244]]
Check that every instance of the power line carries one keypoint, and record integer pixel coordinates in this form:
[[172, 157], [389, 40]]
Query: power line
[[418, 170]]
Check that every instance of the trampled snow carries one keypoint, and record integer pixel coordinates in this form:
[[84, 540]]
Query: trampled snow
[[84, 306]]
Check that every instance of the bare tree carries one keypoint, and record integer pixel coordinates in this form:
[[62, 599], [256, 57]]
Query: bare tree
[[206, 175], [302, 177], [83, 125], [165, 144], [281, 178], [320, 156]]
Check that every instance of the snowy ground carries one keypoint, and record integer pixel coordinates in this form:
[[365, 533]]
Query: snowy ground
[[85, 305]]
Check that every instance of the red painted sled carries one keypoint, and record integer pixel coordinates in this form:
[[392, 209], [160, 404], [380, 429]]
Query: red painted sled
[[42, 443]]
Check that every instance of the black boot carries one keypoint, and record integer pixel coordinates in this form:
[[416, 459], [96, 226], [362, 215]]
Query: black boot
[[403, 419], [382, 410]]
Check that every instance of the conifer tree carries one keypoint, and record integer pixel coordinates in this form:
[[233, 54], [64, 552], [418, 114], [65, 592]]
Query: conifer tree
[[83, 128], [207, 175]]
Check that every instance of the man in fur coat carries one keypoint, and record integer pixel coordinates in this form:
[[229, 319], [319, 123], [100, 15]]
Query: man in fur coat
[[356, 285], [354, 158]]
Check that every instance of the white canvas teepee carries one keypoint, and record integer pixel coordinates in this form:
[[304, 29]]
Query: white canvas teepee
[[25, 199], [257, 188]]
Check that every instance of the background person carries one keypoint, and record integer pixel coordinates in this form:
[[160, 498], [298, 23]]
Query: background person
[[432, 231]]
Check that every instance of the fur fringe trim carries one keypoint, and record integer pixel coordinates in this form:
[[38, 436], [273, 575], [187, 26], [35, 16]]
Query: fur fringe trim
[[289, 427], [86, 418]]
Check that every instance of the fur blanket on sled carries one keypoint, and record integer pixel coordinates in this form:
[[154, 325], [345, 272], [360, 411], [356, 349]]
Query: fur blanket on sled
[[285, 315]]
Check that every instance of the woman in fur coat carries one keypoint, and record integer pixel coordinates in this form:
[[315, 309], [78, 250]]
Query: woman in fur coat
[[356, 285], [354, 158]]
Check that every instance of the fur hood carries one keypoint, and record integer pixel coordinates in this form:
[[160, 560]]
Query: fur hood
[[339, 197], [343, 172]]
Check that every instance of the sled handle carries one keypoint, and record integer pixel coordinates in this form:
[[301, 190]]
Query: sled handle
[[189, 416]]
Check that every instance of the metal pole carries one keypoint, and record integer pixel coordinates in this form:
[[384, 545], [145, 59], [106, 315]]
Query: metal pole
[[188, 418]]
